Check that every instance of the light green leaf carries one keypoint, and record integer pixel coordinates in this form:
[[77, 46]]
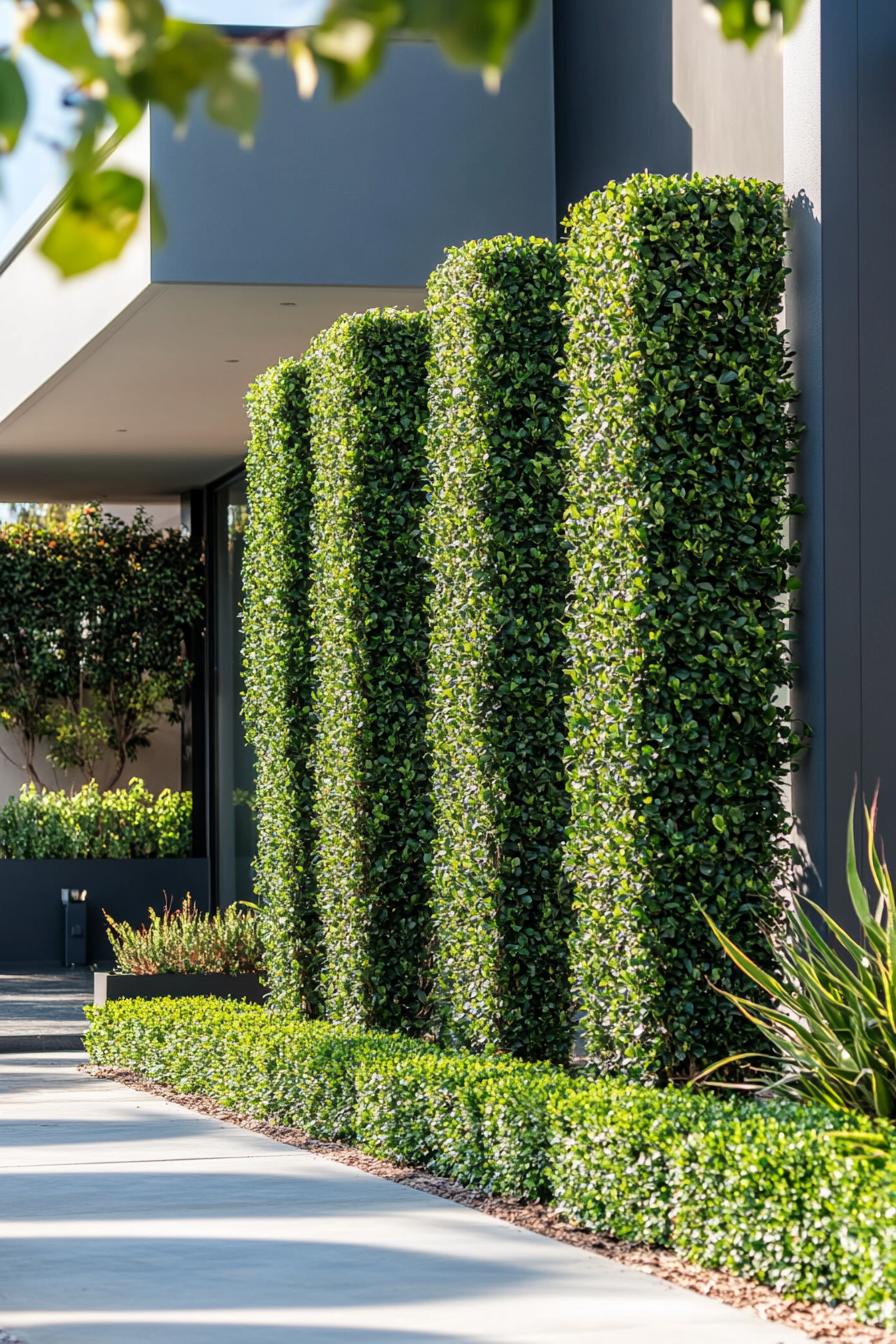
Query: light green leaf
[[98, 217]]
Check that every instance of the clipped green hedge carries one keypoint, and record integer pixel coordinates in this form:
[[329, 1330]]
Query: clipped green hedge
[[680, 446], [367, 400], [773, 1191], [126, 823], [277, 703], [494, 537]]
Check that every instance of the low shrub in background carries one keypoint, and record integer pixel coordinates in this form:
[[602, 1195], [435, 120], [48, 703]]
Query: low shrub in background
[[501, 901], [187, 941], [367, 405], [277, 661], [681, 445], [776, 1192], [126, 823]]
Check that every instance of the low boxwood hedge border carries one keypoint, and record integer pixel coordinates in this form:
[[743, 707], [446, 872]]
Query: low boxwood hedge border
[[773, 1191]]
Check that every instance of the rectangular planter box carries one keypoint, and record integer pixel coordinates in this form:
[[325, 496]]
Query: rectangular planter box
[[108, 985], [31, 911]]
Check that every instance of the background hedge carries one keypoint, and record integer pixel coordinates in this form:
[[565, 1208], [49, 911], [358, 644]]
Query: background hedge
[[277, 704], [774, 1191], [126, 823], [367, 397], [494, 536], [681, 445]]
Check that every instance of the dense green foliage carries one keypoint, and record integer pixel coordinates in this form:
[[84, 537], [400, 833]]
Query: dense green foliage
[[367, 402], [123, 824], [277, 704], [681, 444], [187, 941], [494, 537], [94, 612], [774, 1191], [829, 1011]]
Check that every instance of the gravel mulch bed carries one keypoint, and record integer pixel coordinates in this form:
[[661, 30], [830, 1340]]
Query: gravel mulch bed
[[828, 1325]]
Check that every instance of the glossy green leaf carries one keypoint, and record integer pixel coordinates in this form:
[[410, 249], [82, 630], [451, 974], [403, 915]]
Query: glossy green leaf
[[13, 104], [97, 219]]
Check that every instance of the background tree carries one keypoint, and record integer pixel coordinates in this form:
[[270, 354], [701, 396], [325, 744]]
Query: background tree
[[125, 55], [93, 614]]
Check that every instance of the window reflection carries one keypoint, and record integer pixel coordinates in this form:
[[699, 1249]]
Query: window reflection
[[235, 784]]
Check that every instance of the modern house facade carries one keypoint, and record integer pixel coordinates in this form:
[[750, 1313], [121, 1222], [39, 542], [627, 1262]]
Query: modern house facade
[[127, 384]]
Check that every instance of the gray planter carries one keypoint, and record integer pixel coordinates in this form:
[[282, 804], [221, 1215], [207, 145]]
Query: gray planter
[[108, 985]]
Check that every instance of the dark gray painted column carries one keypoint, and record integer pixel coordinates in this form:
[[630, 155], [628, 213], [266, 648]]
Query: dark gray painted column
[[840, 126], [615, 113]]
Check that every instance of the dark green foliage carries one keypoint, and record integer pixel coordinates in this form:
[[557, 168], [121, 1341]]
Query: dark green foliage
[[494, 534], [122, 824], [367, 398], [678, 738], [773, 1191], [277, 703]]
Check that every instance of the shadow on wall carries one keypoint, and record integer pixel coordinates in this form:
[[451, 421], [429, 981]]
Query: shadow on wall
[[614, 99], [804, 322]]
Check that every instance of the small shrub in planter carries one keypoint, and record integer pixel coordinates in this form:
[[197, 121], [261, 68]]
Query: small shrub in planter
[[188, 942]]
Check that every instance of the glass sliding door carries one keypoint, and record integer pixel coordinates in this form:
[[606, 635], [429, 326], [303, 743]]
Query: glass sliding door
[[234, 770]]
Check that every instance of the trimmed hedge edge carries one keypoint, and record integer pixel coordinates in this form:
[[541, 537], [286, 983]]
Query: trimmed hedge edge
[[775, 1192]]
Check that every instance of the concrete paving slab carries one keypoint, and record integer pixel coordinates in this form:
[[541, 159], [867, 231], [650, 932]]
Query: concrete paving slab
[[43, 1009], [126, 1220]]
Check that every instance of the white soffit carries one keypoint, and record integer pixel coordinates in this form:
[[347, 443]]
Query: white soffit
[[154, 402]]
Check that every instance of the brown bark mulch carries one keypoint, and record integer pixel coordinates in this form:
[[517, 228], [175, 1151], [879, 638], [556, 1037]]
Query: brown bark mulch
[[827, 1325]]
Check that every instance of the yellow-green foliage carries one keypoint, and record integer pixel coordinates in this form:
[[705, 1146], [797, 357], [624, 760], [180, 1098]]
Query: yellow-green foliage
[[126, 823]]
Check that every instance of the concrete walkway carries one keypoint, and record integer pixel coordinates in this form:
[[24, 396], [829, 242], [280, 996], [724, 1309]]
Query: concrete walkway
[[129, 1220], [43, 1009]]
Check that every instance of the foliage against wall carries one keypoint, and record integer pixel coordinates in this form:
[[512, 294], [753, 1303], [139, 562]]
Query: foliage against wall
[[277, 654], [681, 444], [367, 400], [494, 537]]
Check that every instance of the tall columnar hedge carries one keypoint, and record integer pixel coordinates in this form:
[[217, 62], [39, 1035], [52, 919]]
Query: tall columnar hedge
[[494, 537], [680, 449], [278, 678], [367, 396]]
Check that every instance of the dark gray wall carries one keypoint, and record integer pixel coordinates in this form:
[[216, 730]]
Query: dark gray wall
[[841, 308], [368, 191], [649, 85], [615, 110], [31, 911]]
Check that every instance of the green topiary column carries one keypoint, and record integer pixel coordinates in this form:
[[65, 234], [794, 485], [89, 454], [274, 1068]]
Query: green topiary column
[[680, 447], [500, 579], [367, 389], [278, 679]]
